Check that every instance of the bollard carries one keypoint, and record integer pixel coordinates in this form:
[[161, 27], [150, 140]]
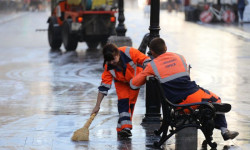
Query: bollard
[[153, 104], [153, 114], [120, 39], [186, 139]]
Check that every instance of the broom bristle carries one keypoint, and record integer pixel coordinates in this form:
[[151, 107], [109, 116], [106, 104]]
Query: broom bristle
[[81, 134]]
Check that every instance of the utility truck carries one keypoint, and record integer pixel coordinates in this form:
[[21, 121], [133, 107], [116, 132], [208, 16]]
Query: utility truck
[[73, 21]]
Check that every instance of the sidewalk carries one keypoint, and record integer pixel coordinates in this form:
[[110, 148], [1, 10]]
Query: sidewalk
[[242, 31]]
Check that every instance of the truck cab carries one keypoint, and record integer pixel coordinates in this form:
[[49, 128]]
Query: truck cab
[[73, 21]]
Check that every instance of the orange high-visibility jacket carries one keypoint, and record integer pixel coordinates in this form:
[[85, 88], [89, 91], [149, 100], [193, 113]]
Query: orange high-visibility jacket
[[133, 61], [172, 71]]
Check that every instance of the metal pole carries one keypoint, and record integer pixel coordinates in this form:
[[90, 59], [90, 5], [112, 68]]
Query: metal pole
[[120, 39], [121, 29], [154, 19], [52, 4], [153, 112], [154, 27]]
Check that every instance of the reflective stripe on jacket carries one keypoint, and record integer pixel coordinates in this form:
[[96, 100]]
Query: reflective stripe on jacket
[[133, 61], [169, 67], [172, 71]]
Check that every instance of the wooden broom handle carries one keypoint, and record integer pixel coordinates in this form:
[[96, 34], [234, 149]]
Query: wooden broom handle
[[87, 124]]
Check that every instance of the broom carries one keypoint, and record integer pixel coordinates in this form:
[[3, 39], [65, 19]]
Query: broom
[[82, 134]]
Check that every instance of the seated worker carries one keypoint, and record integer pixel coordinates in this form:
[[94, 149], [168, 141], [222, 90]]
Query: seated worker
[[121, 64], [172, 71]]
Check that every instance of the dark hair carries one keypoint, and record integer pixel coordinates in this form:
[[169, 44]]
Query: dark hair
[[158, 46], [109, 51]]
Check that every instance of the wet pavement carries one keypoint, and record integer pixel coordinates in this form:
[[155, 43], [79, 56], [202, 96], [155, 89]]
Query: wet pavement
[[46, 95]]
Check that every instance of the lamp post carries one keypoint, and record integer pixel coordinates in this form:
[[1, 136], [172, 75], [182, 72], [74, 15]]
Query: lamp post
[[154, 19], [154, 27], [121, 29], [120, 39], [153, 112]]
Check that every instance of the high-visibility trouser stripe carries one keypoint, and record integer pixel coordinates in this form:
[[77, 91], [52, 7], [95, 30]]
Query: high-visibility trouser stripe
[[127, 52], [113, 73], [124, 122], [125, 114], [106, 85], [118, 129], [133, 86], [104, 92], [169, 78], [183, 62]]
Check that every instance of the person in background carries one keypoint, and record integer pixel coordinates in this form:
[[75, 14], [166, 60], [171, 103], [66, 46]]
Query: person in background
[[170, 6], [121, 64], [147, 8], [178, 4], [241, 8], [172, 71]]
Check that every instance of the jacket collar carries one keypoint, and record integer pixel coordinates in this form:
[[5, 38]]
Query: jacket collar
[[124, 58]]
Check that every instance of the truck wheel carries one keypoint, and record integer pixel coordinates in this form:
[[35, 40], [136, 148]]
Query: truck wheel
[[92, 44], [54, 36], [70, 40]]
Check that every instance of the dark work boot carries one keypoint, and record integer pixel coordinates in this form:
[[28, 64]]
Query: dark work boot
[[229, 135], [222, 107], [124, 133]]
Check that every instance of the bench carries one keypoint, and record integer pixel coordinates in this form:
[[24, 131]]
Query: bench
[[177, 117]]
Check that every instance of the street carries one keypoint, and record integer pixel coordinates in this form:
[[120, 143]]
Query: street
[[46, 95]]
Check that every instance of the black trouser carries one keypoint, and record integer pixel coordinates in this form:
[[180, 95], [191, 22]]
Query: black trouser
[[241, 12]]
